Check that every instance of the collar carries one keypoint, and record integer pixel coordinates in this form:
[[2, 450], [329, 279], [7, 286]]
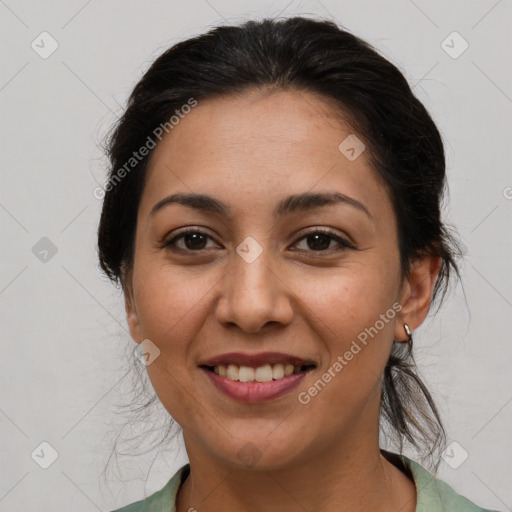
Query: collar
[[432, 494]]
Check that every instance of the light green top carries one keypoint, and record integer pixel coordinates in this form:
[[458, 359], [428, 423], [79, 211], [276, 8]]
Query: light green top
[[433, 495]]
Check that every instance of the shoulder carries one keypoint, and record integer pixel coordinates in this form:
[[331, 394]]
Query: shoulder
[[163, 500], [435, 495]]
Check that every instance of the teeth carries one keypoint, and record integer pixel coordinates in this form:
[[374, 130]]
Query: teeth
[[246, 374], [232, 372], [277, 371], [264, 373]]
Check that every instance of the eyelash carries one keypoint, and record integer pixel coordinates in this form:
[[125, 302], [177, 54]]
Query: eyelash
[[172, 242]]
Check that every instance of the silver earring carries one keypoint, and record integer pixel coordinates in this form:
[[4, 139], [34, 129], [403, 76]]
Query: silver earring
[[407, 330]]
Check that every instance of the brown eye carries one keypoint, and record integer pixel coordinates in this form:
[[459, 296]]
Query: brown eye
[[320, 240], [193, 241]]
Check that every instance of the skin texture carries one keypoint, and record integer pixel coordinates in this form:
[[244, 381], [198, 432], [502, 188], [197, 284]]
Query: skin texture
[[250, 151]]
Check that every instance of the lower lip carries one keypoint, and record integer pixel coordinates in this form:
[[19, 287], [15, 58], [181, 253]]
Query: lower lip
[[254, 392]]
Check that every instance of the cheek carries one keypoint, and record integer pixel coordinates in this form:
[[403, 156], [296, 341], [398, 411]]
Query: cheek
[[348, 300], [168, 300], [352, 314], [171, 311]]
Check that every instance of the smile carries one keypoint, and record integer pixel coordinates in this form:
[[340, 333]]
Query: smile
[[264, 373], [250, 390]]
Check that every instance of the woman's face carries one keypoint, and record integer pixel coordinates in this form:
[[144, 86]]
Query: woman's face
[[254, 282]]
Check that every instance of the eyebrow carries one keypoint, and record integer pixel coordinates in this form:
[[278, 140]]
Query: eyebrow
[[289, 205]]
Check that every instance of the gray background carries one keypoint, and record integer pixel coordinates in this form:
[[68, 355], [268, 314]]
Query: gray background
[[64, 335]]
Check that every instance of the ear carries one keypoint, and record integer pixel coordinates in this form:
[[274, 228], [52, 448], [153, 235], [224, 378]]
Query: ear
[[131, 308], [416, 294]]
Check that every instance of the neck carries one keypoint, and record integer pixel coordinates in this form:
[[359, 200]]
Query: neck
[[349, 478]]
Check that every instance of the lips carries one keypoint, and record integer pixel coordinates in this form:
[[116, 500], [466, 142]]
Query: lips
[[256, 360]]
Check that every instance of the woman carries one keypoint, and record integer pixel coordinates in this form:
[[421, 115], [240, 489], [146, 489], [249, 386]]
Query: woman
[[272, 214]]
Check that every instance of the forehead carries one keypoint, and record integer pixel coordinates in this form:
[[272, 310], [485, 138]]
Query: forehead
[[259, 146]]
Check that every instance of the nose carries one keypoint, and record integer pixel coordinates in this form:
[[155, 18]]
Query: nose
[[253, 294]]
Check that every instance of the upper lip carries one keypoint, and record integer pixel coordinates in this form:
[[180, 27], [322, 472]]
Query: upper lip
[[259, 359]]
